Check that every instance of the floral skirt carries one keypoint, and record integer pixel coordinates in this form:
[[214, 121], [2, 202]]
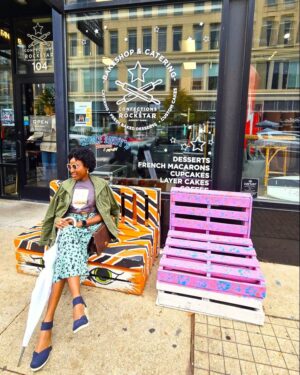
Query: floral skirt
[[72, 253]]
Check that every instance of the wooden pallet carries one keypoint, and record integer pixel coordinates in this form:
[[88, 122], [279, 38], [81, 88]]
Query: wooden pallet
[[209, 264], [244, 309]]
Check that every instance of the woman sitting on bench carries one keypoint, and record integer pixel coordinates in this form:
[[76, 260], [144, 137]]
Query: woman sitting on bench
[[89, 200]]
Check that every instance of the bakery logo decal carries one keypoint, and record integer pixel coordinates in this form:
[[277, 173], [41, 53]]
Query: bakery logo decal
[[140, 89], [40, 49]]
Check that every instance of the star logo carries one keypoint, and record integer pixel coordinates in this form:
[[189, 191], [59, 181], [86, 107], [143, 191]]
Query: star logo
[[173, 140], [184, 146], [210, 142], [38, 29], [198, 144], [156, 29], [135, 72]]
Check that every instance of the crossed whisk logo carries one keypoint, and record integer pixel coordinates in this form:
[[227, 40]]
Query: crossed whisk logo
[[143, 111]]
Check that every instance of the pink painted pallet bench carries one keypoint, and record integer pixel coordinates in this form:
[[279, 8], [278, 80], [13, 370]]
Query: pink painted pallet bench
[[209, 264]]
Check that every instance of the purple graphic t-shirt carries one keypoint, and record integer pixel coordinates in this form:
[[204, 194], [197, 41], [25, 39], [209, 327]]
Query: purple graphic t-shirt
[[83, 197]]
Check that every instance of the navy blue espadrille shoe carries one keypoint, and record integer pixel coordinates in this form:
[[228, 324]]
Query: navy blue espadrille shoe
[[83, 321], [40, 359]]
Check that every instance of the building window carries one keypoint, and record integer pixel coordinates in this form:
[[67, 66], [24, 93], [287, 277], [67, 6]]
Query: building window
[[114, 47], [162, 10], [293, 75], [262, 70], [113, 76], [178, 9], [98, 79], [132, 39], [198, 77], [216, 5], [213, 71], [147, 38], [73, 80], [177, 36], [155, 73], [267, 30], [198, 36], [88, 80], [114, 14], [73, 44], [271, 3], [176, 83], [147, 12], [214, 35], [162, 39], [86, 48], [132, 13], [199, 7], [285, 31]]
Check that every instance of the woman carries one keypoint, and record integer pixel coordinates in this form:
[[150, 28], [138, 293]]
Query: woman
[[89, 200]]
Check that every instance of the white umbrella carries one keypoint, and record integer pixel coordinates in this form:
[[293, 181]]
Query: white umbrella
[[39, 296]]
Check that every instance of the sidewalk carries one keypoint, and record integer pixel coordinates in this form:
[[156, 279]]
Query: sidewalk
[[131, 335]]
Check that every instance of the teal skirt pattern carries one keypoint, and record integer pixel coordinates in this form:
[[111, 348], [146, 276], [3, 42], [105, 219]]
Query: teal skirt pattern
[[72, 253]]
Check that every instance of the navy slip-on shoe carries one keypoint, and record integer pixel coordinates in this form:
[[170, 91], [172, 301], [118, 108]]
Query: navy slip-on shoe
[[40, 359], [83, 321]]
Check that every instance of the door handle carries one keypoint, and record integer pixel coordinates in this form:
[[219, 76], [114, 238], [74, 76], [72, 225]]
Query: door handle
[[19, 149]]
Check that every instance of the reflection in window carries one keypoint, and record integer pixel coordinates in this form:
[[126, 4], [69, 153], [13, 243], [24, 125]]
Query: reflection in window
[[198, 77], [162, 10], [177, 36], [293, 75], [176, 83], [114, 14], [214, 35], [132, 40], [213, 76], [73, 44], [199, 7], [114, 47], [263, 73], [132, 13], [73, 80], [285, 31], [267, 31], [147, 38], [88, 80], [154, 73], [98, 79], [216, 5], [147, 12], [86, 47], [270, 3], [113, 76], [198, 36], [162, 39], [178, 9]]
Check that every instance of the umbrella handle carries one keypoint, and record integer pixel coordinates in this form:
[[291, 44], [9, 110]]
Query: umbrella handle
[[21, 355]]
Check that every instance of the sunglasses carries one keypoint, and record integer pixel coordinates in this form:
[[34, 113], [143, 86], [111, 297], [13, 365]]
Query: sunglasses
[[73, 166]]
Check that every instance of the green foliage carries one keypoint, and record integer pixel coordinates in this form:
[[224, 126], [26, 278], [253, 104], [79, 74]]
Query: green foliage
[[45, 101], [184, 104]]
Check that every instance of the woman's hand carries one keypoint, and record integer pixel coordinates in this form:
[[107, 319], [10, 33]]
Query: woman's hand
[[62, 223]]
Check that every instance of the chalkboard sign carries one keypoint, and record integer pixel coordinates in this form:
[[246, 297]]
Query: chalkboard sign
[[250, 185]]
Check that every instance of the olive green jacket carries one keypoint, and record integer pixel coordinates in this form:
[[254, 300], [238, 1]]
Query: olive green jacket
[[106, 205]]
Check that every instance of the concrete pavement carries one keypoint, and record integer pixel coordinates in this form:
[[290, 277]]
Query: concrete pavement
[[130, 334]]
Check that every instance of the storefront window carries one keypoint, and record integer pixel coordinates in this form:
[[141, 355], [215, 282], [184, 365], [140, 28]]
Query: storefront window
[[8, 172], [146, 102], [34, 46], [272, 133]]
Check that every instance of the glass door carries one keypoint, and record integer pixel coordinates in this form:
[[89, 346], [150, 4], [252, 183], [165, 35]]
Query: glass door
[[37, 137]]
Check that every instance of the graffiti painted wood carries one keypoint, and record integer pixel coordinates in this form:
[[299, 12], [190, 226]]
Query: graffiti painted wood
[[209, 263]]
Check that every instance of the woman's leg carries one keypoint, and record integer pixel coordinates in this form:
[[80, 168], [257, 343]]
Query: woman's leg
[[74, 285], [45, 336]]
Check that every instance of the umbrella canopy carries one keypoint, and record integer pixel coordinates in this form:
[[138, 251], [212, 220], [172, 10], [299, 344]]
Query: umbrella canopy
[[267, 124], [40, 295]]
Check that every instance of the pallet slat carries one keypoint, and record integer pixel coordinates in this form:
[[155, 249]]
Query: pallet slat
[[208, 246], [209, 212], [210, 238], [209, 283], [215, 258], [214, 270]]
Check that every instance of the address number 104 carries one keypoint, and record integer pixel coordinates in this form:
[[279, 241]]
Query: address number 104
[[37, 66]]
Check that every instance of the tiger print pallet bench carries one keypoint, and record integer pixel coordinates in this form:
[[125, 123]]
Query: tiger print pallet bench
[[209, 264], [125, 265]]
